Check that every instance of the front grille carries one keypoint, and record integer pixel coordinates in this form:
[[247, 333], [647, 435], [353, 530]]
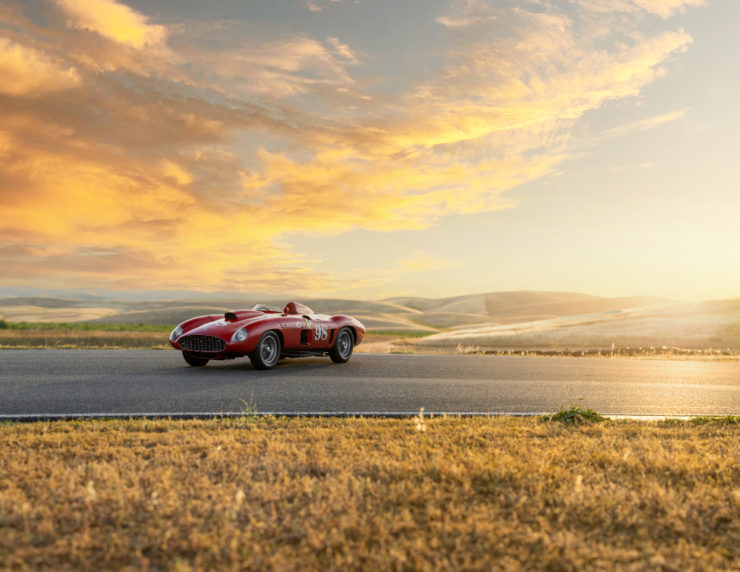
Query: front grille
[[202, 344]]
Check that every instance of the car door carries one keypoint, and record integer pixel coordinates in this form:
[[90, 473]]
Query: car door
[[295, 329]]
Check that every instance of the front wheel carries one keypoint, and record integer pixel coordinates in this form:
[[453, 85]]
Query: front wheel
[[267, 352], [194, 361], [342, 349]]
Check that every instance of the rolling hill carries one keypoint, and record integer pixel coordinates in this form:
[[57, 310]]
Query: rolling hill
[[496, 320], [692, 326]]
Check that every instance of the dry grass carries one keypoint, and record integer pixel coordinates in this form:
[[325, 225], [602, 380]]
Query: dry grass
[[47, 338], [443, 493]]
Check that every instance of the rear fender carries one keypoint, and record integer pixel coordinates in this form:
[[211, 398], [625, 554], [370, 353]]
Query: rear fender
[[358, 330]]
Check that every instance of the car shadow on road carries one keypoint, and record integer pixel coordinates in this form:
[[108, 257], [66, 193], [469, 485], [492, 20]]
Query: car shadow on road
[[244, 365]]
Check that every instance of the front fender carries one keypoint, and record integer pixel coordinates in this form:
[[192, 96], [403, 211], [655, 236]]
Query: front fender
[[193, 323]]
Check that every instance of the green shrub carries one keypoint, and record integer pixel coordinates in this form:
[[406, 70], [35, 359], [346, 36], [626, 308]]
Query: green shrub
[[575, 415]]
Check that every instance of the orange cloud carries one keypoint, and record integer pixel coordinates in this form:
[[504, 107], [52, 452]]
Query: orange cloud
[[276, 68], [26, 71], [114, 21]]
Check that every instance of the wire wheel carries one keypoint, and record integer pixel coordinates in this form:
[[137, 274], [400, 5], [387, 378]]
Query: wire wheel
[[342, 350], [267, 352]]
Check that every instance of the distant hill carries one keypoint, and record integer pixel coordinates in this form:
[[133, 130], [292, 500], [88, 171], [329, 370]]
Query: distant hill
[[400, 313], [496, 320], [514, 307], [695, 326]]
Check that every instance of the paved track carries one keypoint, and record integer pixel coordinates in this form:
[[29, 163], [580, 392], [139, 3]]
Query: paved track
[[143, 381]]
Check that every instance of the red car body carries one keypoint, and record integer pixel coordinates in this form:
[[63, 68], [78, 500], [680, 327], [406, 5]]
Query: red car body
[[266, 334]]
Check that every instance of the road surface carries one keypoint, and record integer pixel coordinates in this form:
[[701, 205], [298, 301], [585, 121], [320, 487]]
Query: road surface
[[42, 382]]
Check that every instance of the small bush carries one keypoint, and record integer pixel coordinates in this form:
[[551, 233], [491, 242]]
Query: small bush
[[576, 415]]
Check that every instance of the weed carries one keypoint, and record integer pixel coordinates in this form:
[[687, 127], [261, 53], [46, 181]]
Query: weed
[[249, 408], [419, 423], [575, 415]]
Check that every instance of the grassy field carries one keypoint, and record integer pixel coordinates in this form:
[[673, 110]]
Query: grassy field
[[41, 336], [83, 327], [410, 494]]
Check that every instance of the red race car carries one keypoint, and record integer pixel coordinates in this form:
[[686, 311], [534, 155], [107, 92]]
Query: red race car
[[266, 334]]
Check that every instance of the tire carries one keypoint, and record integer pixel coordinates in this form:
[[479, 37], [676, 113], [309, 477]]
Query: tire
[[343, 347], [194, 361], [267, 352]]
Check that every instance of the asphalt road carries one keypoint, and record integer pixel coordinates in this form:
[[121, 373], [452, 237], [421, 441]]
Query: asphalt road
[[143, 381]]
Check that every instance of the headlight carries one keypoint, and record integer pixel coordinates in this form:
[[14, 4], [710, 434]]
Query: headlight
[[176, 333], [240, 335]]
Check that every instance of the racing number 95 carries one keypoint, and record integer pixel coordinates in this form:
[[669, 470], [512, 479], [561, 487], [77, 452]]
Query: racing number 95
[[319, 333]]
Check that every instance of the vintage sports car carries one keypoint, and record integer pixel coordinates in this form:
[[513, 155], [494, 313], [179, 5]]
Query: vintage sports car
[[266, 334]]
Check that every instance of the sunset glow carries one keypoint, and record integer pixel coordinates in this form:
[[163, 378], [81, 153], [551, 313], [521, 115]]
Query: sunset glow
[[368, 149]]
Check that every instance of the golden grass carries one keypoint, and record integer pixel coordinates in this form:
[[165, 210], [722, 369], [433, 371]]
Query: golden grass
[[44, 338], [308, 494]]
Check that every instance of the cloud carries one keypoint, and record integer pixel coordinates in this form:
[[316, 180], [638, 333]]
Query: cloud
[[114, 21], [318, 6], [663, 8], [248, 63], [648, 123], [193, 172], [26, 71], [667, 8], [465, 13], [342, 50]]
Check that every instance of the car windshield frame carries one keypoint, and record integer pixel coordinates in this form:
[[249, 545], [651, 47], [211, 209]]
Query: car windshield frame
[[266, 308]]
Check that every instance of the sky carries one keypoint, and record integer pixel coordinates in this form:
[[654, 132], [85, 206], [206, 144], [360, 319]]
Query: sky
[[371, 148]]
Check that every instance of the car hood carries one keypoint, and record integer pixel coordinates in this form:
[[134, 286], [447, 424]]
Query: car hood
[[224, 328]]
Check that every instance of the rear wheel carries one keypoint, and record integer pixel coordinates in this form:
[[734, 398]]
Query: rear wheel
[[194, 361], [342, 349], [267, 352]]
